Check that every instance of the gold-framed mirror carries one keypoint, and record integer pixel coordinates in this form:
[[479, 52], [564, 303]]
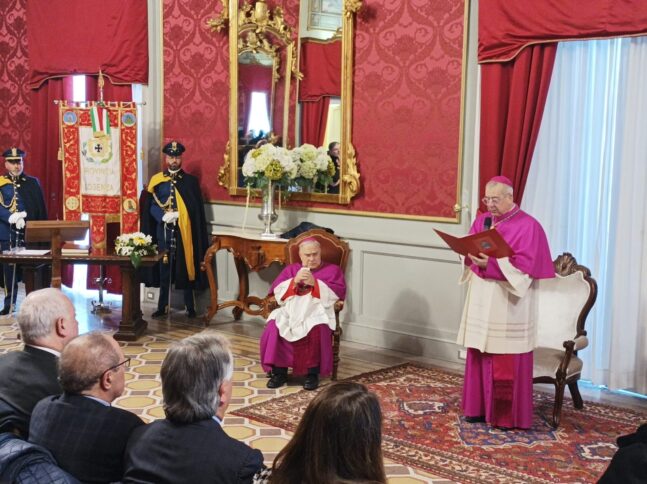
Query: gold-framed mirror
[[267, 74]]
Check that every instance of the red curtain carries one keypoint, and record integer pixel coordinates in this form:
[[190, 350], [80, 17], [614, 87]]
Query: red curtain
[[84, 36], [513, 92], [513, 95], [506, 27], [313, 120], [43, 162], [321, 68]]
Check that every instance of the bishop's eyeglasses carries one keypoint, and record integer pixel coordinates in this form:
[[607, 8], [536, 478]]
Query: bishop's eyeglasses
[[494, 200]]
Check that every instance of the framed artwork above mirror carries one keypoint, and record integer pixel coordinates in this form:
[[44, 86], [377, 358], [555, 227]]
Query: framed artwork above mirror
[[279, 92]]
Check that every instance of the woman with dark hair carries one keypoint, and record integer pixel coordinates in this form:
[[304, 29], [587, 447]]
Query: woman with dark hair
[[338, 440]]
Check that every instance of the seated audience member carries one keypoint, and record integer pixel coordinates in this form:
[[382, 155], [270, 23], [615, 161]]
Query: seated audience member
[[86, 435], [47, 322], [299, 333], [26, 463], [338, 439], [334, 150], [190, 444], [629, 463]]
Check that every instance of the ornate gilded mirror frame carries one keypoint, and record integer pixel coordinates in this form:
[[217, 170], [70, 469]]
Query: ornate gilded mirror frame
[[256, 20]]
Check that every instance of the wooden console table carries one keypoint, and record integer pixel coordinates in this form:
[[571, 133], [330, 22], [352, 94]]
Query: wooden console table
[[132, 325], [251, 254]]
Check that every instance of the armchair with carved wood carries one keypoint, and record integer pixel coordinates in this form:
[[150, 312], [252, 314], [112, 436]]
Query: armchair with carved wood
[[564, 304], [334, 251]]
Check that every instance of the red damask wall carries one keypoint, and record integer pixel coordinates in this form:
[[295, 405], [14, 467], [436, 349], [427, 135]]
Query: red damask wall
[[196, 88], [408, 73], [406, 111], [15, 106]]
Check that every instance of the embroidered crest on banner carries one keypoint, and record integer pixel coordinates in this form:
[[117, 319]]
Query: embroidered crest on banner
[[98, 149]]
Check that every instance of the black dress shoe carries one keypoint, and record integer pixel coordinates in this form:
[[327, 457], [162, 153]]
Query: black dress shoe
[[311, 382], [159, 314], [475, 419], [191, 314], [5, 311], [277, 380]]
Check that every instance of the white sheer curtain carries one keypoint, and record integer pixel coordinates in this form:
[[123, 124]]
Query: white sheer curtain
[[588, 186]]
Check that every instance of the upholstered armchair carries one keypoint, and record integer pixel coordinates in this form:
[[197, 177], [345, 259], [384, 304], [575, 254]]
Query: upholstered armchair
[[564, 303], [333, 250]]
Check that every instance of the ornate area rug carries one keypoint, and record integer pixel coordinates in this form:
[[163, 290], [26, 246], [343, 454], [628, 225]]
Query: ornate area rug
[[423, 428]]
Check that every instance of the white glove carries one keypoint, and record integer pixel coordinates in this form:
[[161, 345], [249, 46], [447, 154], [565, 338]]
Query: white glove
[[20, 223], [14, 217], [170, 217]]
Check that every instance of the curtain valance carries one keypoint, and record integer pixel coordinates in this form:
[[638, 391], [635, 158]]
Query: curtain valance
[[506, 27], [84, 36]]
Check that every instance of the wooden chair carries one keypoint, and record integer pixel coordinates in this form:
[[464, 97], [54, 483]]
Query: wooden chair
[[334, 251], [564, 304]]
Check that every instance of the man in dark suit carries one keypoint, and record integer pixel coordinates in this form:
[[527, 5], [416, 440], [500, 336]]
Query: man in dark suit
[[86, 435], [190, 444], [47, 322], [21, 199]]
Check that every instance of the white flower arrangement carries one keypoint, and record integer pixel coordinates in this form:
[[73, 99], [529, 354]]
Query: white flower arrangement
[[269, 163], [315, 166], [304, 167], [135, 246]]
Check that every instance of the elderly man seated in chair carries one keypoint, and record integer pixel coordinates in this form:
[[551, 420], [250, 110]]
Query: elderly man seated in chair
[[299, 332]]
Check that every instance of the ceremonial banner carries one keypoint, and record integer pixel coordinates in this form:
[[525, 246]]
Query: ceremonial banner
[[99, 150]]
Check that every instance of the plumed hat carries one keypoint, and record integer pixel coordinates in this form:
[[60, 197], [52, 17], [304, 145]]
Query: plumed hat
[[174, 148], [13, 154]]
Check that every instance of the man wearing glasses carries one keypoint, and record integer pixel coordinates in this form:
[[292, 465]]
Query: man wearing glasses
[[498, 324], [87, 435]]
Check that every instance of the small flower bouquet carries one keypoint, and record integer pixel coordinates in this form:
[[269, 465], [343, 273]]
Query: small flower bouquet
[[269, 163], [315, 167], [135, 246]]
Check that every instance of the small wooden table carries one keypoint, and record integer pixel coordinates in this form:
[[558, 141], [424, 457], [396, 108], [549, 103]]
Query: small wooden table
[[251, 254], [132, 325]]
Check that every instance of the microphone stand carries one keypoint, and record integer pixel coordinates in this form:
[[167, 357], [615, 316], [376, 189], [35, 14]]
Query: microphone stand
[[100, 307]]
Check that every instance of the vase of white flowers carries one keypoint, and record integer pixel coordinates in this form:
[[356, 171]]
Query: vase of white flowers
[[135, 246], [269, 168]]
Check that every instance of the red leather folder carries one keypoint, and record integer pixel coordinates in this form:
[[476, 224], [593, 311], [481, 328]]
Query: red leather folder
[[489, 242]]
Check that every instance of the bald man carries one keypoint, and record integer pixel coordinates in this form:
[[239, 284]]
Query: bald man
[[84, 432], [299, 333]]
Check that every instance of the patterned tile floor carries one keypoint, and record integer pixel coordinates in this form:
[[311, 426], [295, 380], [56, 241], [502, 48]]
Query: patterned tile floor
[[143, 394]]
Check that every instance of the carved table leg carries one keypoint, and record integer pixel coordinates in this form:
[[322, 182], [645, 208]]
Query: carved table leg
[[243, 287], [207, 265]]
